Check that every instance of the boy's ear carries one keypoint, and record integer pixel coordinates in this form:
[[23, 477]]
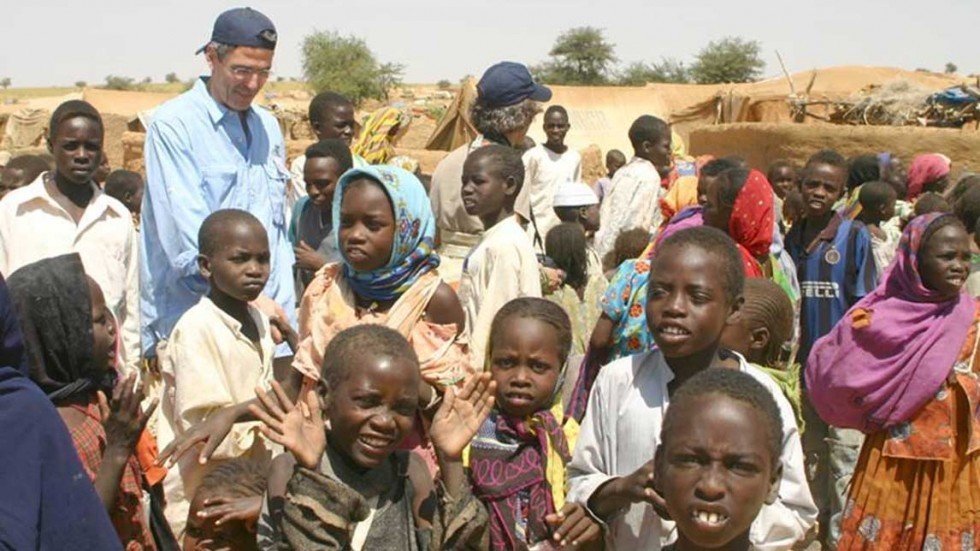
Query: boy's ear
[[204, 265], [777, 477], [510, 186], [47, 140], [760, 338]]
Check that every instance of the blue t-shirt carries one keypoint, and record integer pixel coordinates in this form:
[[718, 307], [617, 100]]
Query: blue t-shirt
[[835, 271]]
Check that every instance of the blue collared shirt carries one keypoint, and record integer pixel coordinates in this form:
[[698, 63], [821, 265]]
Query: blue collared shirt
[[200, 159]]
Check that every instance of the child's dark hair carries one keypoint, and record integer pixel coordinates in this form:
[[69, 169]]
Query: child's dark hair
[[325, 100], [566, 245], [827, 157], [332, 148], [647, 128], [766, 304], [735, 385], [376, 340], [31, 165], [876, 194], [716, 243], [778, 165], [236, 478], [794, 202], [963, 185], [212, 230], [615, 154], [630, 244], [539, 309], [730, 184], [738, 161], [71, 109], [556, 109], [715, 167], [862, 169], [931, 202], [120, 181], [967, 209], [506, 162]]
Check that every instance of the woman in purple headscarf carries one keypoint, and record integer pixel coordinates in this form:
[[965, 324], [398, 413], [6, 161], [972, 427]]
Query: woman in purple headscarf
[[902, 367]]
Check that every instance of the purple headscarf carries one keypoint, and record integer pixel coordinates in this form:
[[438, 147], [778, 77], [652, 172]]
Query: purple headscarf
[[890, 354]]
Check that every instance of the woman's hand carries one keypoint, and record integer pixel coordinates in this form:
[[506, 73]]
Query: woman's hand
[[122, 419], [461, 414], [297, 427]]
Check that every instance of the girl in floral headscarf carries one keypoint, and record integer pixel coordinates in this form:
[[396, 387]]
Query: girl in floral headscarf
[[387, 277]]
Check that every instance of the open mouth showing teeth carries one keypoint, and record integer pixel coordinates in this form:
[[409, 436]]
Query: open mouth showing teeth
[[671, 330], [714, 519], [375, 442]]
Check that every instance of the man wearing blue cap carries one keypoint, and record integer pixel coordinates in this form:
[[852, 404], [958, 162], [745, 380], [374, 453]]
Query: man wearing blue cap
[[507, 102], [206, 150]]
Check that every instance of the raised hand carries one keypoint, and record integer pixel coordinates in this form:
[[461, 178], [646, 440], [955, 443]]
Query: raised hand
[[462, 412], [211, 433], [122, 419], [297, 427], [573, 526]]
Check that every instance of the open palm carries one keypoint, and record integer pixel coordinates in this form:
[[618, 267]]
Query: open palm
[[297, 427], [461, 414]]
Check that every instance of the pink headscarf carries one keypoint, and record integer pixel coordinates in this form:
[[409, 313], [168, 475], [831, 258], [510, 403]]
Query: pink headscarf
[[926, 169], [890, 354]]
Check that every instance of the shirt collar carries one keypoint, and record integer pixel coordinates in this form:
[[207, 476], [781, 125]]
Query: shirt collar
[[234, 325], [828, 233], [38, 191], [215, 109]]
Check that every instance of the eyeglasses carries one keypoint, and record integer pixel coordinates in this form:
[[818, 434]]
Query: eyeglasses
[[246, 73]]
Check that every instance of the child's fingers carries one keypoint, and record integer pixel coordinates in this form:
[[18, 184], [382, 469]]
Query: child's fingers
[[274, 436], [267, 420], [313, 403], [592, 532], [269, 403], [574, 529], [287, 404], [103, 405], [176, 450], [569, 516], [148, 413]]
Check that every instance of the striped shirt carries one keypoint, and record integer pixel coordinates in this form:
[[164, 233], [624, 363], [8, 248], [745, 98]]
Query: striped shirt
[[835, 271]]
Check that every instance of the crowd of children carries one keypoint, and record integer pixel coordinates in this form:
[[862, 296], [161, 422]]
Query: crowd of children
[[688, 354]]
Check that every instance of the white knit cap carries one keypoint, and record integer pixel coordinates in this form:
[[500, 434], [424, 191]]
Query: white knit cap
[[575, 194]]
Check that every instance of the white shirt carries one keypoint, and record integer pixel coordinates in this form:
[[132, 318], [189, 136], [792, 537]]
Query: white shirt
[[621, 431], [544, 171], [633, 202], [33, 226], [208, 364], [501, 268]]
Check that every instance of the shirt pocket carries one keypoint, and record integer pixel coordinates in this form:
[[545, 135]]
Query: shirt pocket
[[218, 185], [277, 177]]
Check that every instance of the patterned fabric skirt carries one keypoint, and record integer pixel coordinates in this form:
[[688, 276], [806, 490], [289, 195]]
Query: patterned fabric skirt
[[897, 503]]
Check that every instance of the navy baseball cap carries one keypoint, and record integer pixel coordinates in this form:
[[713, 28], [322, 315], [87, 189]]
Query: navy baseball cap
[[508, 83], [244, 27]]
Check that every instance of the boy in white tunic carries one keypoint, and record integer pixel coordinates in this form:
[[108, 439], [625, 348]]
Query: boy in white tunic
[[695, 289], [547, 166], [219, 351], [503, 265]]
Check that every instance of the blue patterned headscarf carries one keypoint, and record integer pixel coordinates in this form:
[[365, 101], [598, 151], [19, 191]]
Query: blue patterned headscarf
[[412, 253]]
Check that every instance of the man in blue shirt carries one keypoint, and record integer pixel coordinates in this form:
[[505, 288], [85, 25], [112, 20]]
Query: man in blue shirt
[[206, 150], [836, 268]]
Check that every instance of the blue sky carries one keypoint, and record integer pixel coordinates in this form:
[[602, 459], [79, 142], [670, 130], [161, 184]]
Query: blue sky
[[56, 42]]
